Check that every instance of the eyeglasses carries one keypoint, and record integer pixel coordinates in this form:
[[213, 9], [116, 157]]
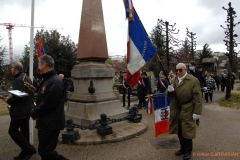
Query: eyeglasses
[[180, 70]]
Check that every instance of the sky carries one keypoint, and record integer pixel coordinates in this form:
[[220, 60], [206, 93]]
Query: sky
[[202, 17]]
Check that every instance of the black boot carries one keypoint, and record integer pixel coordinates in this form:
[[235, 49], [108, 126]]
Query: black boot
[[179, 152], [187, 156]]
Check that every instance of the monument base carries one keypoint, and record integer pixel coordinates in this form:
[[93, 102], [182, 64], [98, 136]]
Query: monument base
[[88, 113], [121, 131]]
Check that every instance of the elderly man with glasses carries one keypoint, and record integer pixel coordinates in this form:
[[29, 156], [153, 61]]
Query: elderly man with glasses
[[185, 108]]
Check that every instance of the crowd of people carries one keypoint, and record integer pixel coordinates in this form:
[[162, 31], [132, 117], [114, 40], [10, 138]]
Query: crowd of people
[[186, 86]]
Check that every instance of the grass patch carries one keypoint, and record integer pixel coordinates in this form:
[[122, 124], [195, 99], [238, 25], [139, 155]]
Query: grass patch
[[233, 101], [3, 108]]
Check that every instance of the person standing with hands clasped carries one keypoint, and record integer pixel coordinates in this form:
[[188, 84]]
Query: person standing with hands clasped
[[198, 74], [49, 111], [20, 112], [162, 83], [126, 91], [185, 108], [142, 89]]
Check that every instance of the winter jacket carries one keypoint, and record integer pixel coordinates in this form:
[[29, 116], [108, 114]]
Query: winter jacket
[[49, 111], [162, 86], [20, 106], [199, 76]]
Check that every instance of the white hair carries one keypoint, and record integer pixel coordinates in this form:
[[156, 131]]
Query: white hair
[[182, 64]]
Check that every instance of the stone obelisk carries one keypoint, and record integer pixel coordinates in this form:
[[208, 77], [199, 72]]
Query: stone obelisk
[[92, 77]]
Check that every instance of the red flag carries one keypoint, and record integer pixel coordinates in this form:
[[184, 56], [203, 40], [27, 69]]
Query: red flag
[[41, 50]]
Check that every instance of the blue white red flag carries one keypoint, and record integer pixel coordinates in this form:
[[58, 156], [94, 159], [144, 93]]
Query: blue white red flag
[[139, 47], [129, 9], [162, 113], [149, 104], [41, 50]]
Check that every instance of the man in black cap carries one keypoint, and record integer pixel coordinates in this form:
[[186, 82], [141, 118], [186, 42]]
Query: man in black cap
[[142, 89]]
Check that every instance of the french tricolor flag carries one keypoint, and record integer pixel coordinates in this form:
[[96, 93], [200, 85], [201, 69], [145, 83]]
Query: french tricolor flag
[[162, 113], [139, 47]]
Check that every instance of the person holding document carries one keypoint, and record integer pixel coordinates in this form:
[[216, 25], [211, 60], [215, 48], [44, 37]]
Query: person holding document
[[20, 112]]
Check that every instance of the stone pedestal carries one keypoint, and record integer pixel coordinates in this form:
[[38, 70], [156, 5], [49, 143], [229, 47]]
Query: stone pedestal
[[84, 107], [93, 82]]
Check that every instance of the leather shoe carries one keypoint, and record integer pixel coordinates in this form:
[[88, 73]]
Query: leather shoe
[[179, 153], [22, 156], [187, 156]]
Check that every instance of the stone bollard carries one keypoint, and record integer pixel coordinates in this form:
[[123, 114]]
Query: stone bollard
[[104, 129], [70, 135], [134, 116]]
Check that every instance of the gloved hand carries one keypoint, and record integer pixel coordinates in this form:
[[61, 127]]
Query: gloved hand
[[170, 88], [205, 89], [195, 116]]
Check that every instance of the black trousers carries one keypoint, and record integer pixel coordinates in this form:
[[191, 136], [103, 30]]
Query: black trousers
[[142, 100], [210, 94], [19, 132], [222, 87], [186, 144], [47, 145], [128, 97]]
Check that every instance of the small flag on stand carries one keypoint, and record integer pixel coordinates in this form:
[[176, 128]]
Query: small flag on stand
[[162, 113], [149, 103]]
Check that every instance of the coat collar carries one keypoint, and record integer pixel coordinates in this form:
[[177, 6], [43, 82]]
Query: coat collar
[[48, 74], [187, 77]]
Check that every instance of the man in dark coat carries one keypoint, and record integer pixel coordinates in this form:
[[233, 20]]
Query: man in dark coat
[[198, 74], [20, 112], [223, 82], [142, 89], [49, 111], [65, 82], [126, 91], [185, 108]]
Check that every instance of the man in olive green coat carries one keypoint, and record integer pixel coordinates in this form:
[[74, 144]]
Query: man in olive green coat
[[185, 108]]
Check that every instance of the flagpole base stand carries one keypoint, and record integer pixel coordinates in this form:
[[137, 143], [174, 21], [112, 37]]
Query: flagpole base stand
[[136, 119]]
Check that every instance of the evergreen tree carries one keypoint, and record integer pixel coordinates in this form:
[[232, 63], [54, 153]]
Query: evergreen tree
[[206, 53], [158, 40], [61, 48], [184, 53]]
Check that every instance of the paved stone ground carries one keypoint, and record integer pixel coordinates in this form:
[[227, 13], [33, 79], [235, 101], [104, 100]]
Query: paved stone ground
[[218, 134]]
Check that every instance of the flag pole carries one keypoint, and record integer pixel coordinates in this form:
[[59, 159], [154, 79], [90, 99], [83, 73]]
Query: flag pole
[[164, 72], [31, 137]]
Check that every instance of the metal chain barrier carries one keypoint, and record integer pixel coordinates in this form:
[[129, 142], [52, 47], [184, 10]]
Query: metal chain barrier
[[132, 112]]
